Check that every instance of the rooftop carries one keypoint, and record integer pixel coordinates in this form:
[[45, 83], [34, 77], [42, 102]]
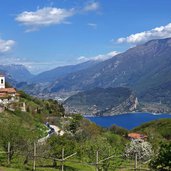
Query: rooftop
[[7, 90], [136, 136]]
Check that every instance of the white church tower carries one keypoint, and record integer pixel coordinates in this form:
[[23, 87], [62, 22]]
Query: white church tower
[[2, 81]]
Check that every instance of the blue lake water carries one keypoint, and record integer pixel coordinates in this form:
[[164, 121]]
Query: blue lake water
[[128, 121]]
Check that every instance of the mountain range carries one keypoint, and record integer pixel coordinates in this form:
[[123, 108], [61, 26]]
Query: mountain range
[[145, 69], [141, 68], [63, 71], [17, 73]]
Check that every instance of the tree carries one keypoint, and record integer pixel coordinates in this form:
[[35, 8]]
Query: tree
[[87, 130], [75, 123], [118, 130], [14, 133], [139, 147], [162, 162], [88, 151], [55, 144]]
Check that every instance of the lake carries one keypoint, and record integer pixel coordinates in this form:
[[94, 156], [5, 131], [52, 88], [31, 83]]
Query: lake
[[128, 121]]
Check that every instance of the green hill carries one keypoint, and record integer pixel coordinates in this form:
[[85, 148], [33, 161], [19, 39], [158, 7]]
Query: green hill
[[30, 121], [157, 131], [22, 129], [85, 138]]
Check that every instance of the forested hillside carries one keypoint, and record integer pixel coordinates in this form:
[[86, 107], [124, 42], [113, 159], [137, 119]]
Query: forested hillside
[[82, 139]]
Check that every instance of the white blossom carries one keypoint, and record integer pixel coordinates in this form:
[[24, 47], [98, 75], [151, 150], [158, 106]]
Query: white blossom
[[140, 147]]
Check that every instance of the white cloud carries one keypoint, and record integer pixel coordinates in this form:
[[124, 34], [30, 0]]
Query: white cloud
[[100, 57], [93, 25], [82, 59], [44, 17], [156, 33], [113, 53], [47, 16], [93, 6], [6, 45], [105, 56]]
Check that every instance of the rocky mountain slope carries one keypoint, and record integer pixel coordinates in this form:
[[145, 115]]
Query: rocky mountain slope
[[18, 73], [39, 84], [144, 68], [100, 101], [141, 67], [8, 77], [56, 73]]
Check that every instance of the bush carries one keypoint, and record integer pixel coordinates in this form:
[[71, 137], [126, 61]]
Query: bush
[[162, 161]]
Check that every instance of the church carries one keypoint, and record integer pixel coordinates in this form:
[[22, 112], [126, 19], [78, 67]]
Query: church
[[7, 95]]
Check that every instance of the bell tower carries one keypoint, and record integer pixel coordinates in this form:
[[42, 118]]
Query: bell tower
[[2, 81]]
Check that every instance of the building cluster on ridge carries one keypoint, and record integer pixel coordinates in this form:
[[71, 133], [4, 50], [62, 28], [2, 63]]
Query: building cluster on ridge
[[7, 95]]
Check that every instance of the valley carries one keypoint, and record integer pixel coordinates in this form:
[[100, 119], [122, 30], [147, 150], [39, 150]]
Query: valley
[[144, 69], [85, 85]]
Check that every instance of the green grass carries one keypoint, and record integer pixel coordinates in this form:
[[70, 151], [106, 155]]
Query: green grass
[[68, 166], [77, 166], [9, 169], [80, 167]]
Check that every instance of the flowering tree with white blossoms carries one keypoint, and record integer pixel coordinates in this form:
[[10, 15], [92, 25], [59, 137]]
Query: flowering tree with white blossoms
[[139, 147]]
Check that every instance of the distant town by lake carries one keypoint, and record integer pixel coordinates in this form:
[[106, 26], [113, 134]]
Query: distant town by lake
[[128, 121]]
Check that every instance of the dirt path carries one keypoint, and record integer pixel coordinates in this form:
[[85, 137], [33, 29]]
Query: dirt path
[[58, 131]]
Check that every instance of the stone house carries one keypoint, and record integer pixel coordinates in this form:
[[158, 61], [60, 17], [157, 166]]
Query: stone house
[[7, 95]]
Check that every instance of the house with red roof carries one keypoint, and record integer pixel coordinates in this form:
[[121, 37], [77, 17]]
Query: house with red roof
[[137, 136], [7, 95]]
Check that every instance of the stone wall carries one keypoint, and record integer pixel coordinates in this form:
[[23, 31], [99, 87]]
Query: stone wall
[[2, 108]]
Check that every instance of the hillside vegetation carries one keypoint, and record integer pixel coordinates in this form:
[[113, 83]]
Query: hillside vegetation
[[100, 101], [158, 131], [22, 129], [82, 138], [36, 113]]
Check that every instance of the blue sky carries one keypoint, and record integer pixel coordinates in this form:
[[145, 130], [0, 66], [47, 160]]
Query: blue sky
[[43, 34]]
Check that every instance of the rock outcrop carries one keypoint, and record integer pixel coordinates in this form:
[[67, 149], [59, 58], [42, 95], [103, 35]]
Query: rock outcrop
[[99, 101]]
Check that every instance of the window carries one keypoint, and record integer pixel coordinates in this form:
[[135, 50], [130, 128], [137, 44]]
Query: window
[[2, 81]]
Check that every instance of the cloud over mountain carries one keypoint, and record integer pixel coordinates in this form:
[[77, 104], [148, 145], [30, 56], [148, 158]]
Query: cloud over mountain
[[156, 33], [100, 57]]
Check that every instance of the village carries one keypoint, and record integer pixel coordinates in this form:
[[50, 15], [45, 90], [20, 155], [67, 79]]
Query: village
[[9, 96]]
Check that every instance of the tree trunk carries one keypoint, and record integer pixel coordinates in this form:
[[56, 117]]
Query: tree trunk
[[54, 163]]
